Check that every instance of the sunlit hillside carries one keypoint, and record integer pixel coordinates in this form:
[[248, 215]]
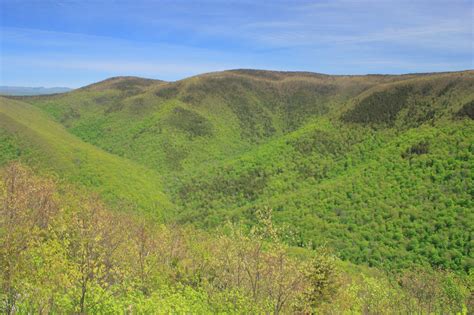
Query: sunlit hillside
[[242, 191]]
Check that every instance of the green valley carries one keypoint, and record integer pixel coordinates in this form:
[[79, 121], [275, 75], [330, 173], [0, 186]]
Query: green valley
[[377, 170]]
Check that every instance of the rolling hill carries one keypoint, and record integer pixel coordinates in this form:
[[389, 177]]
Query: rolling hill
[[378, 167], [29, 135]]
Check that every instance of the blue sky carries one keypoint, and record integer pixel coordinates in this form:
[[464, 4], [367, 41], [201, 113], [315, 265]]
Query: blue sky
[[73, 43]]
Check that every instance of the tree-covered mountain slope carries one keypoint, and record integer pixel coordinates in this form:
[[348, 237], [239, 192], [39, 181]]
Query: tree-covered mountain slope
[[392, 190], [29, 135], [378, 197], [379, 167]]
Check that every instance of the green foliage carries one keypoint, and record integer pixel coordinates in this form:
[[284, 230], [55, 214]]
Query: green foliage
[[323, 278], [467, 110], [412, 102], [417, 149], [379, 107], [9, 148], [191, 122]]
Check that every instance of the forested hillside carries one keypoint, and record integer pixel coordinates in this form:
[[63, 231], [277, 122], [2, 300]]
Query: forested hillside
[[376, 169], [63, 251]]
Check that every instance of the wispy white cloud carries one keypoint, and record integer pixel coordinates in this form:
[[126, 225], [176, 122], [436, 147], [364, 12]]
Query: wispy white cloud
[[447, 34], [169, 39], [445, 25], [119, 66]]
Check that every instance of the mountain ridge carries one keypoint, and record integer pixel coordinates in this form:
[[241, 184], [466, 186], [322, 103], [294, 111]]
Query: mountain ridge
[[344, 160], [24, 90]]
